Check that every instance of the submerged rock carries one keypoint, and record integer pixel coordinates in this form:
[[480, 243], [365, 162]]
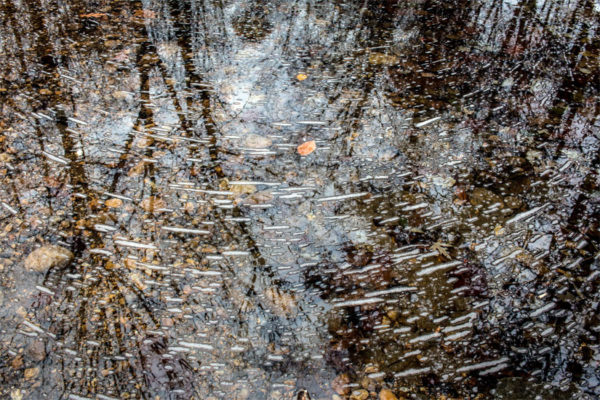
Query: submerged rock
[[257, 142], [47, 257], [303, 395], [513, 202], [540, 243], [484, 197], [37, 351]]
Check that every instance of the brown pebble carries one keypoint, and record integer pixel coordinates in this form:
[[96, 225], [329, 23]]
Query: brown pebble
[[17, 362], [37, 350], [360, 394], [387, 394], [31, 373], [114, 203], [46, 257], [257, 142], [340, 384], [393, 315]]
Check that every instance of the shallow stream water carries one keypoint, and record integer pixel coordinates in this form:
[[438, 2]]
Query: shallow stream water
[[440, 239]]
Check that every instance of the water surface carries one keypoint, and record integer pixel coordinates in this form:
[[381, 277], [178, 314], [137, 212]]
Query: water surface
[[440, 242]]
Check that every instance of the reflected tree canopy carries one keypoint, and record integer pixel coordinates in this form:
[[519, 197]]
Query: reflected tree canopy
[[440, 242]]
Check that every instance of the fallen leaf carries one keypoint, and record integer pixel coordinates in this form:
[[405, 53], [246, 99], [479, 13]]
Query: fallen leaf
[[307, 147], [136, 278], [152, 204], [242, 189], [301, 77], [383, 59], [499, 230], [93, 15], [441, 249], [137, 169], [144, 142], [114, 203], [256, 198], [147, 14], [283, 304]]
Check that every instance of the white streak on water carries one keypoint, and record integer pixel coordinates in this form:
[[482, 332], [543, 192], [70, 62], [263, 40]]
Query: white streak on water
[[399, 289], [427, 122], [9, 208], [275, 227], [185, 230], [238, 219], [254, 183], [104, 228], [118, 196], [33, 327], [200, 346], [76, 397], [439, 267], [104, 252], [482, 365], [311, 122], [45, 290], [77, 121], [359, 302], [543, 309], [415, 207], [425, 338], [525, 214], [411, 371], [57, 159], [343, 196], [235, 253], [129, 243]]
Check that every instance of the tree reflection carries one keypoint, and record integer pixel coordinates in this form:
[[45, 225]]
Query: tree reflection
[[147, 103]]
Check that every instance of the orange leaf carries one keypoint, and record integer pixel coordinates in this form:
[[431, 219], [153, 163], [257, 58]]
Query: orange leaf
[[307, 147], [301, 77]]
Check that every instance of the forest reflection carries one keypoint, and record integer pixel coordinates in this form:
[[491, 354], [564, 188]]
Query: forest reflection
[[442, 239]]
